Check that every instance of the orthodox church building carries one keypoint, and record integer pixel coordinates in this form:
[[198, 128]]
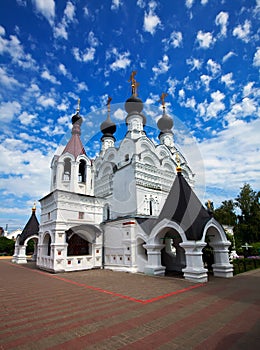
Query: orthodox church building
[[132, 208]]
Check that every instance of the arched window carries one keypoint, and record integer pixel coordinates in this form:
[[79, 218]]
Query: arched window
[[82, 171], [67, 170], [47, 245]]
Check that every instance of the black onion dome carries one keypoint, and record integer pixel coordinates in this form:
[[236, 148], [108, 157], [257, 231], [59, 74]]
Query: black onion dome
[[108, 128], [165, 123], [133, 104], [76, 118]]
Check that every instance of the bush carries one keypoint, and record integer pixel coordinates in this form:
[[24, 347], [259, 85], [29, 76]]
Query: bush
[[6, 246], [245, 264]]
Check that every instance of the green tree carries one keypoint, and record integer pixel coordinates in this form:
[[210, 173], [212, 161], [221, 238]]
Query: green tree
[[6, 246], [225, 214], [248, 227]]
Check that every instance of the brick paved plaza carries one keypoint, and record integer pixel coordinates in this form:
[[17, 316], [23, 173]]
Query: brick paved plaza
[[113, 310]]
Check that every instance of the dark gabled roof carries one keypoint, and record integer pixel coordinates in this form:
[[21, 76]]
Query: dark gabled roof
[[183, 206], [30, 229]]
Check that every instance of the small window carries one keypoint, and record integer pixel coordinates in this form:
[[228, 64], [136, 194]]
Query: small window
[[48, 216], [126, 157], [81, 215]]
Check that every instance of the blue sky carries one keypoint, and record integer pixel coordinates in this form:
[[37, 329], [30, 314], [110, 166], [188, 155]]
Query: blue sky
[[204, 53]]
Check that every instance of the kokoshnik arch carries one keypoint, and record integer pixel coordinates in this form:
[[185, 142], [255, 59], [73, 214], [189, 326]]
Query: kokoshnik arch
[[132, 208]]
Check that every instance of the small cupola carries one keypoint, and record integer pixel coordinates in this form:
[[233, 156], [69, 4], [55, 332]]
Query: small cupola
[[108, 128], [135, 120], [165, 124]]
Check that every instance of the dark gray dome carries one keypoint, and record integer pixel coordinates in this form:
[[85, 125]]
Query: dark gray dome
[[134, 104], [108, 128], [165, 123]]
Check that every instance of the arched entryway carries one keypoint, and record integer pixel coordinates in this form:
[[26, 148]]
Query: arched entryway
[[172, 255], [46, 245], [216, 253], [77, 245]]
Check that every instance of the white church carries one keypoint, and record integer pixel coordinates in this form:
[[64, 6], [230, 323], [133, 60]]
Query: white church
[[132, 208]]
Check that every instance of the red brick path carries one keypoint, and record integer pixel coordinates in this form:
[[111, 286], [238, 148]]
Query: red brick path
[[112, 310]]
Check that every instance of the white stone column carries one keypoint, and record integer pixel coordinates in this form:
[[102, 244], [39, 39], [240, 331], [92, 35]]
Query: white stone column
[[194, 270], [154, 265], [20, 257], [221, 266]]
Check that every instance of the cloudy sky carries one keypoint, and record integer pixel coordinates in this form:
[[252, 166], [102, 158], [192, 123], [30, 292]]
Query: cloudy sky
[[204, 53]]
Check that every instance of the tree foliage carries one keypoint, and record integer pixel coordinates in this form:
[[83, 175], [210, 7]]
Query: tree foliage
[[247, 223], [6, 246]]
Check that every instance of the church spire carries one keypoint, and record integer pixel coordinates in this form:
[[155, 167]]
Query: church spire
[[108, 128], [165, 124], [74, 146]]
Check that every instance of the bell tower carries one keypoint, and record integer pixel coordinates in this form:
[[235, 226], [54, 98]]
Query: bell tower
[[72, 170]]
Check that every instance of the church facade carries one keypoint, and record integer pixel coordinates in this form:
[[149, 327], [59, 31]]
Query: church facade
[[132, 208]]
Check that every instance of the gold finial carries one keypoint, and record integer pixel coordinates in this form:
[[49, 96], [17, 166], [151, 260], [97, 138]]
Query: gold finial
[[34, 207], [109, 99], [209, 204], [78, 108], [178, 168], [134, 83], [162, 99]]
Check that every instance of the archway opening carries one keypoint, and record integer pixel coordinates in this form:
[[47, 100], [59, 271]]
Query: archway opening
[[78, 246], [212, 236], [82, 171], [31, 249], [46, 249], [67, 169], [172, 255]]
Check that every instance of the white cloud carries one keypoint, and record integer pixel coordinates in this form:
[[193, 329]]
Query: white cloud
[[46, 101], [175, 40], [46, 8], [172, 86], [212, 109], [27, 171], [2, 31], [213, 67], [227, 79], [115, 4], [205, 40], [151, 20], [82, 86], [119, 114], [62, 69], [26, 118], [223, 163], [162, 67], [216, 105], [60, 31], [194, 63], [189, 3], [14, 48], [228, 56], [243, 31], [222, 21], [206, 79], [46, 75], [204, 2], [92, 40], [256, 60], [86, 11], [121, 59], [84, 56], [140, 3], [248, 89], [8, 110], [6, 80]]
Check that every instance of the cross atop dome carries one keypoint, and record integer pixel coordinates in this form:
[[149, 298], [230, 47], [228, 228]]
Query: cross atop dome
[[134, 83]]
